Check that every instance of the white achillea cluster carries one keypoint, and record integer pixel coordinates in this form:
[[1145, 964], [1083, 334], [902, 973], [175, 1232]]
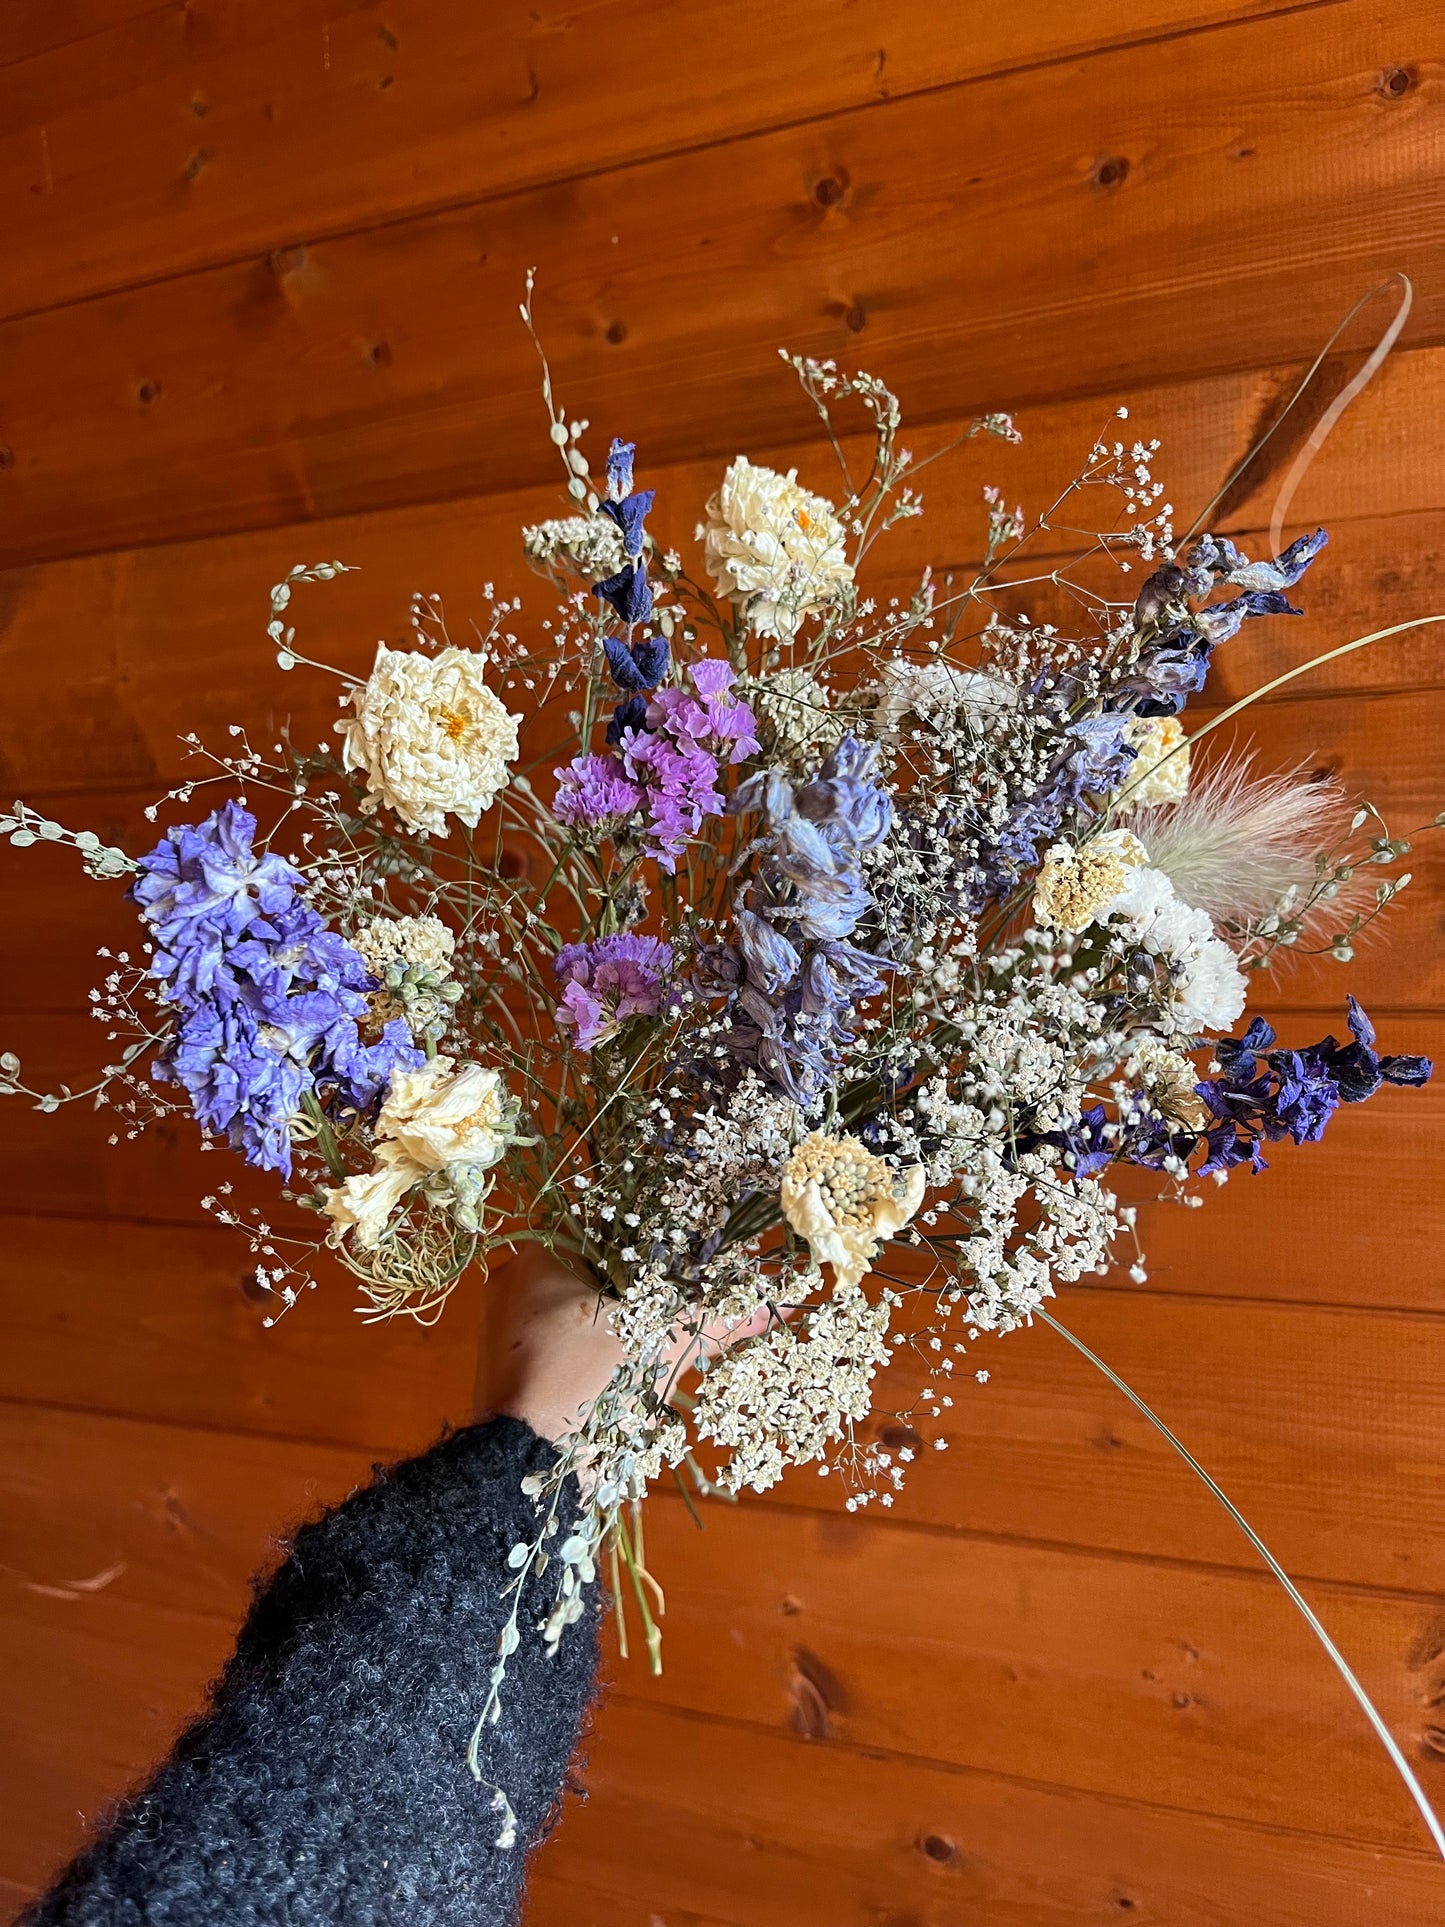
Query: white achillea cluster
[[432, 740], [425, 941], [796, 710], [773, 548], [1077, 885], [589, 546], [1167, 1079], [787, 1397]]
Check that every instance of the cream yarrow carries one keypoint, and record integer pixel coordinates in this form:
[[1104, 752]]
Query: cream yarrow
[[433, 740], [845, 1201], [773, 548]]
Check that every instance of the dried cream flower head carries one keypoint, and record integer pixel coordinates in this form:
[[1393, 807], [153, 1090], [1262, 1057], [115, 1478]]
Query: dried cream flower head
[[773, 548], [406, 940], [796, 709], [435, 1118], [1077, 885], [1167, 1079], [845, 1201], [1160, 771], [590, 546], [935, 692], [432, 738]]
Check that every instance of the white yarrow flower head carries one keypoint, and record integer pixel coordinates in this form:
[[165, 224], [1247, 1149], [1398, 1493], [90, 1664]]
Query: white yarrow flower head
[[1077, 886], [1160, 771], [846, 1202], [435, 1118], [773, 548], [433, 740], [406, 940]]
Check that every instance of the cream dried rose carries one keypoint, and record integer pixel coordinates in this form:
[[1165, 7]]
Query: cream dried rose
[[433, 740], [846, 1202]]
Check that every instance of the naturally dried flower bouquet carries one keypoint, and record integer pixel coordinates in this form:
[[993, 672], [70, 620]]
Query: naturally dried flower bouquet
[[840, 957]]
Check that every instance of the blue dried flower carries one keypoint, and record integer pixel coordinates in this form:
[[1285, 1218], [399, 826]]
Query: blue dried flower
[[267, 996]]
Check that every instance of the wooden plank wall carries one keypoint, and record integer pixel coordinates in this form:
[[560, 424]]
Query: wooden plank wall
[[257, 304]]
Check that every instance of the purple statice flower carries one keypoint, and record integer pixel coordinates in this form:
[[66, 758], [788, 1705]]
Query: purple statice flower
[[609, 980], [675, 759], [595, 793], [267, 997], [1263, 1094], [628, 592]]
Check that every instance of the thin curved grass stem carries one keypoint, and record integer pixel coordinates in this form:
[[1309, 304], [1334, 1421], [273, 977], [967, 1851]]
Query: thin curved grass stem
[[1386, 1738]]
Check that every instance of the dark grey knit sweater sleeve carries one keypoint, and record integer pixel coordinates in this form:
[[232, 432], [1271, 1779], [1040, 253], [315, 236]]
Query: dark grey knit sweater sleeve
[[327, 1782]]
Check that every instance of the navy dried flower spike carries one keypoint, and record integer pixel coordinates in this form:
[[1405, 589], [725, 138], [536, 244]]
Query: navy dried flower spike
[[628, 591]]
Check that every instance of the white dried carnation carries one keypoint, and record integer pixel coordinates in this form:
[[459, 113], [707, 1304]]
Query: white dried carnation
[[432, 738], [846, 1202], [435, 1118], [1160, 770], [589, 546], [773, 548], [1077, 885], [1207, 989]]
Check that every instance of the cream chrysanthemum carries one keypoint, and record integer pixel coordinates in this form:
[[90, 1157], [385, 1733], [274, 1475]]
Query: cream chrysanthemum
[[935, 692], [1160, 771], [845, 1201], [432, 738], [435, 1118], [406, 940], [773, 548], [1075, 886]]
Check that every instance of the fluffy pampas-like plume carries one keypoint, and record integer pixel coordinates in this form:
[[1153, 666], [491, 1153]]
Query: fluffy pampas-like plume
[[1238, 844]]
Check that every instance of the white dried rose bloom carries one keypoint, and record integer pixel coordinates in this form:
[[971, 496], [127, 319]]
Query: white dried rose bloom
[[1077, 885], [434, 1118], [1160, 771], [773, 548], [846, 1202], [432, 738]]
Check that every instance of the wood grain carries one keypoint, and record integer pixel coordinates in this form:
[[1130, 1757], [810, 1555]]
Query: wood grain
[[315, 382], [145, 141], [1188, 1687], [130, 621]]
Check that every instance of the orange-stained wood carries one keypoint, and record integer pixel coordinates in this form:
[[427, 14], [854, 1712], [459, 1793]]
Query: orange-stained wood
[[145, 140], [389, 367]]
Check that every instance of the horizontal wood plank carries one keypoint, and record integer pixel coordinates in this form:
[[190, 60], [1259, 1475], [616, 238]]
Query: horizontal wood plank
[[1185, 1687], [702, 1823], [142, 141], [164, 641], [315, 382]]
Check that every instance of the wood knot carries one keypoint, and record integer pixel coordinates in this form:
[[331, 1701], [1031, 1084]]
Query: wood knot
[[1393, 83], [856, 318], [938, 1848], [378, 355], [829, 191], [615, 332], [287, 260], [7, 458], [194, 165], [815, 1694], [894, 1436], [147, 392], [1112, 171], [253, 1291]]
